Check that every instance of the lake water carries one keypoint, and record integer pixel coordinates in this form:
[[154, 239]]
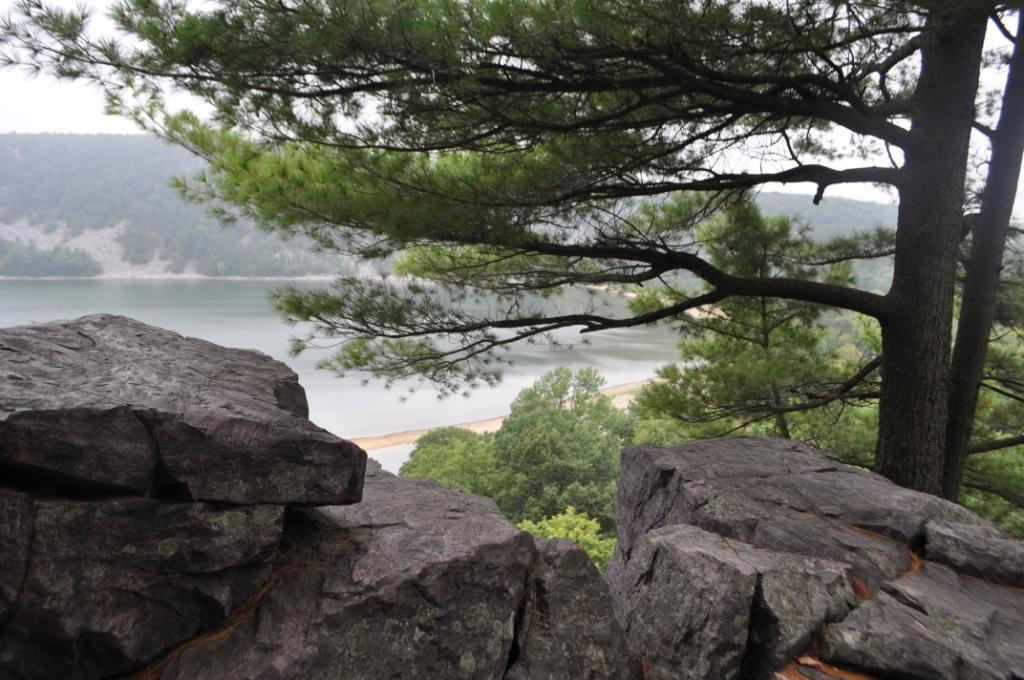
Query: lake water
[[239, 314]]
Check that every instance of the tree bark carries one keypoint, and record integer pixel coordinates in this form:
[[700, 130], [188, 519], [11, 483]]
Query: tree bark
[[990, 231], [916, 340]]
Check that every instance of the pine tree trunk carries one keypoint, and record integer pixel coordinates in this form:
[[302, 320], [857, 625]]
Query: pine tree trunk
[[781, 424], [990, 231], [916, 340]]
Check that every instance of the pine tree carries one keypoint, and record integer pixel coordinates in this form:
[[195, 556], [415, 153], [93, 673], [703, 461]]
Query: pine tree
[[532, 138]]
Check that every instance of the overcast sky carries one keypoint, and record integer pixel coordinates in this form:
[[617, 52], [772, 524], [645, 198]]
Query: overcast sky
[[32, 104], [42, 104]]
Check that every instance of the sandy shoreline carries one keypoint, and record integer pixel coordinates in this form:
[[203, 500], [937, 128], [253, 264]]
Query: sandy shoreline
[[621, 396]]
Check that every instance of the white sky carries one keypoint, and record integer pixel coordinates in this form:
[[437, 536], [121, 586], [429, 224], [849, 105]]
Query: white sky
[[34, 104], [43, 104]]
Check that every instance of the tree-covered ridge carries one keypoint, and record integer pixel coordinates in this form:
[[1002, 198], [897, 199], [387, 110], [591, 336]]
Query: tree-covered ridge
[[26, 260], [91, 182], [88, 182]]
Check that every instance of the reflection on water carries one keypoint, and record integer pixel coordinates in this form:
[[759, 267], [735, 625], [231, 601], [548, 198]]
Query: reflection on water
[[238, 314]]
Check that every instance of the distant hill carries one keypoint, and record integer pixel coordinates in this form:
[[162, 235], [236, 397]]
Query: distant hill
[[107, 198], [87, 205], [833, 216]]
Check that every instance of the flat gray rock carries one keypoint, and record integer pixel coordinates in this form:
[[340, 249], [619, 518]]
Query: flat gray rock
[[934, 625], [976, 550], [109, 404]]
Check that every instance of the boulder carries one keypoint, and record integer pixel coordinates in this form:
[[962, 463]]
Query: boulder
[[735, 553], [106, 404], [699, 605], [105, 586], [779, 495], [417, 580], [976, 550], [16, 525], [568, 628], [934, 624], [168, 512]]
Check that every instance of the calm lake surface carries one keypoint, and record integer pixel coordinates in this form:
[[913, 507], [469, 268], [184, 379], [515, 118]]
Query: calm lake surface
[[239, 314]]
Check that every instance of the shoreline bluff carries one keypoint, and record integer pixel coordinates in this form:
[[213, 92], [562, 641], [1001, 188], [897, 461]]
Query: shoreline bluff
[[622, 396]]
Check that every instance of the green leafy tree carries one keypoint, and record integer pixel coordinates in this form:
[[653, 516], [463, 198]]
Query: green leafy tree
[[533, 140], [994, 488], [558, 447], [993, 477], [458, 458], [578, 527], [747, 369]]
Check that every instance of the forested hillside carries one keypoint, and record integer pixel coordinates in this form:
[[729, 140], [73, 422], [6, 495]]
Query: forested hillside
[[68, 185], [832, 217], [73, 184]]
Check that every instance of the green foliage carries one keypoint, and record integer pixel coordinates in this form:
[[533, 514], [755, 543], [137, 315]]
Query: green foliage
[[559, 447], [458, 458], [747, 362], [507, 146], [994, 479], [21, 259], [994, 488], [578, 527], [513, 147], [661, 430], [848, 432]]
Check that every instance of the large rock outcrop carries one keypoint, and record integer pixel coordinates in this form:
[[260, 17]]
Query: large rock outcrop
[[109, 404], [418, 581], [743, 558], [95, 588], [167, 511]]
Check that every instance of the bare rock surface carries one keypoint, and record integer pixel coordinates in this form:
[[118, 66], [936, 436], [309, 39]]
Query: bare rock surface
[[418, 581], [144, 484], [167, 511], [568, 628], [779, 495], [976, 550], [738, 552], [109, 404], [935, 623], [703, 606], [104, 586]]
